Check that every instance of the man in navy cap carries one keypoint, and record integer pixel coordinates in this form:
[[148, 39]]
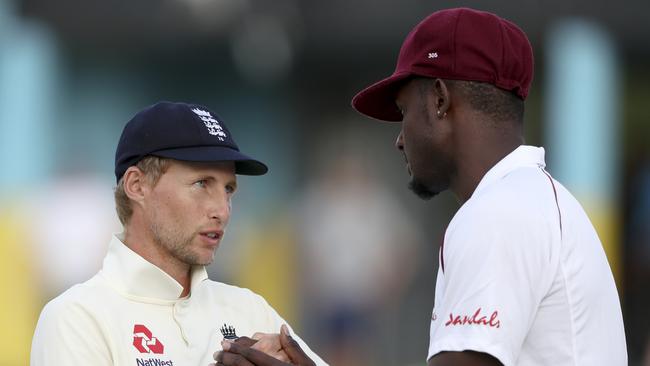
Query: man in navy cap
[[523, 278], [152, 303]]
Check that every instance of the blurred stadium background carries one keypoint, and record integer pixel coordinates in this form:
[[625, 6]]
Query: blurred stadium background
[[331, 237]]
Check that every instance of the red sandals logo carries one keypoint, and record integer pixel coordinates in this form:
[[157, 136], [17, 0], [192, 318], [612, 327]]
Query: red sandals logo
[[477, 319], [145, 342]]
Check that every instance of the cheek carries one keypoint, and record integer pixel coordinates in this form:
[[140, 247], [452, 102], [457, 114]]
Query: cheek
[[416, 139], [171, 207]]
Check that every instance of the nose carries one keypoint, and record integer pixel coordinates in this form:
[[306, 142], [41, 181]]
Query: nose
[[219, 209], [399, 143]]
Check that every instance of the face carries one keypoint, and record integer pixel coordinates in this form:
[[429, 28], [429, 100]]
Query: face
[[188, 210], [424, 140]]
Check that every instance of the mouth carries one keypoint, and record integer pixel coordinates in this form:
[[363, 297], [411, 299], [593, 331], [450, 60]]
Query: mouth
[[212, 237]]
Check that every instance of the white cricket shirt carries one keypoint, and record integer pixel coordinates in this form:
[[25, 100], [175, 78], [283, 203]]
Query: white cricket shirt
[[130, 314], [523, 275]]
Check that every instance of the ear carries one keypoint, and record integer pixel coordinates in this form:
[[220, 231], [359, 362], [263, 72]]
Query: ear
[[136, 185], [442, 96]]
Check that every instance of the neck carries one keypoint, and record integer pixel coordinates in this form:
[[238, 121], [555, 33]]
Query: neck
[[141, 242], [477, 160]]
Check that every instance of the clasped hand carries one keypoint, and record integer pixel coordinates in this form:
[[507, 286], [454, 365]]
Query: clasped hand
[[262, 350]]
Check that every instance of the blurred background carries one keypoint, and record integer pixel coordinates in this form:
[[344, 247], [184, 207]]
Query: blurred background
[[331, 236]]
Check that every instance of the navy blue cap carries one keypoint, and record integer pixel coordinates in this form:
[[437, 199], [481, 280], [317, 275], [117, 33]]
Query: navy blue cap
[[180, 131]]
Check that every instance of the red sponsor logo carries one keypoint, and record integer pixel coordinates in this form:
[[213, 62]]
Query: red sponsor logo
[[476, 319], [145, 342]]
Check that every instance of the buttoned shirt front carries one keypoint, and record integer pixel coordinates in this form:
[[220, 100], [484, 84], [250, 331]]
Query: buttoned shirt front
[[130, 313]]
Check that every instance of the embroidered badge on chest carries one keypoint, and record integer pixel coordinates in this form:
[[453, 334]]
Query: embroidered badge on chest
[[228, 332]]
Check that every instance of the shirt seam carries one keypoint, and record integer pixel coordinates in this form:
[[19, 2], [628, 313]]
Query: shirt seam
[[571, 317]]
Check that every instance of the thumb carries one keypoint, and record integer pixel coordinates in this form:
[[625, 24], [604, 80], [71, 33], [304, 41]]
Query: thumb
[[292, 349]]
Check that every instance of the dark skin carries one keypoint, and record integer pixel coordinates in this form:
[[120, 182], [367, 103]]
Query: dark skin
[[240, 354], [436, 128], [448, 145]]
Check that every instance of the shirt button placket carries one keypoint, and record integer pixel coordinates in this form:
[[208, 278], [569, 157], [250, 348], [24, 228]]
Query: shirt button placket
[[180, 314]]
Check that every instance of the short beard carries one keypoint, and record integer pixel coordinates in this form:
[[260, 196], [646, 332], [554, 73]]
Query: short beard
[[176, 245], [421, 190]]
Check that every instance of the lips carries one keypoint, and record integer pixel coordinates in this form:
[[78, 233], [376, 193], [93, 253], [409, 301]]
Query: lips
[[212, 236]]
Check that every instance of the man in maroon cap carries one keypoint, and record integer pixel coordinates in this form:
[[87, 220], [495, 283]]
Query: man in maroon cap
[[523, 278]]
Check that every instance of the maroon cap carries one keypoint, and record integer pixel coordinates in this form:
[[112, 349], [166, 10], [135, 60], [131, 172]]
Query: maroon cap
[[456, 44]]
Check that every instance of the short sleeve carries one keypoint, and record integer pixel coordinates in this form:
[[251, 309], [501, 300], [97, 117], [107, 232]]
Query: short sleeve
[[497, 267], [67, 335]]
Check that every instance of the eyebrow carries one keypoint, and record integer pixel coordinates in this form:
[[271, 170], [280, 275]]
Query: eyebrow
[[211, 177]]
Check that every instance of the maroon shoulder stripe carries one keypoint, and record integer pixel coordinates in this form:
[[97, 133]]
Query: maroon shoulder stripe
[[442, 250]]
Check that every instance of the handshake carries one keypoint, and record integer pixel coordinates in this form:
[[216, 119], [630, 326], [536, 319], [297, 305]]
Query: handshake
[[262, 350]]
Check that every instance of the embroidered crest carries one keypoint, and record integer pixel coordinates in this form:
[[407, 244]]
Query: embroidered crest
[[214, 128], [228, 332]]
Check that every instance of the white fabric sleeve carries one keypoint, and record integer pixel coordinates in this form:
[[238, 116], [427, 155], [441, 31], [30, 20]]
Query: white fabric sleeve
[[67, 335], [277, 322], [497, 267]]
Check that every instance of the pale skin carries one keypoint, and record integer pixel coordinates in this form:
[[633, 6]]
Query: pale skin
[[239, 354], [179, 222]]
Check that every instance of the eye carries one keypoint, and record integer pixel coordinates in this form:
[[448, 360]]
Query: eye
[[230, 188], [201, 183]]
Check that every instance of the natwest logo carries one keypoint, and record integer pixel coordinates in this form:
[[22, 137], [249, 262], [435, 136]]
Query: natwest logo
[[145, 342], [476, 319]]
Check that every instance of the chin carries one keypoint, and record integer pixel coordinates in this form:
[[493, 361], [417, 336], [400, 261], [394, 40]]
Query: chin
[[421, 190], [206, 259], [199, 258]]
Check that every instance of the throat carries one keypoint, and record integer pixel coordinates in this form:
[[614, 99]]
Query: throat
[[474, 168]]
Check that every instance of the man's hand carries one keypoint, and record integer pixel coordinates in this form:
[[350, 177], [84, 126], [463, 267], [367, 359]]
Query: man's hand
[[269, 344], [236, 354]]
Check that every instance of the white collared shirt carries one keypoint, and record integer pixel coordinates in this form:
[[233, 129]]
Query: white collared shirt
[[130, 313], [523, 275]]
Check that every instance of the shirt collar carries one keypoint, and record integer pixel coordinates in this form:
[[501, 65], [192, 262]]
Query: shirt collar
[[134, 275], [522, 156]]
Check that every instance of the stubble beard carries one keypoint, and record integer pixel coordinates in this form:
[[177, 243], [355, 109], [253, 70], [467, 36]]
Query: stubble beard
[[176, 244], [421, 190]]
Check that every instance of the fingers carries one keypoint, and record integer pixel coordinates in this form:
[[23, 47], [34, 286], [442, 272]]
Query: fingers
[[248, 342], [231, 359], [280, 355], [244, 341], [236, 355], [267, 343], [263, 349], [292, 348], [259, 335]]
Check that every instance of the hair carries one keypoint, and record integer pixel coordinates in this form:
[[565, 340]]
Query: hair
[[153, 168], [496, 103]]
